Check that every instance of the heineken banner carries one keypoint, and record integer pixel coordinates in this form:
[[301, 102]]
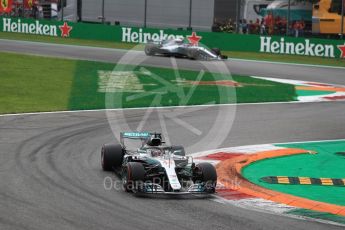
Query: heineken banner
[[5, 6], [224, 41]]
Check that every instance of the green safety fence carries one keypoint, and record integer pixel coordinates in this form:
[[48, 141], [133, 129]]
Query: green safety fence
[[224, 41]]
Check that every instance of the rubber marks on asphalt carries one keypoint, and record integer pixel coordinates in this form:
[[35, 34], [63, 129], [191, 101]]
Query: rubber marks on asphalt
[[303, 181]]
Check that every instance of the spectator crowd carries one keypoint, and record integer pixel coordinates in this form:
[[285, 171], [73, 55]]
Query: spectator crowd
[[268, 25], [19, 9]]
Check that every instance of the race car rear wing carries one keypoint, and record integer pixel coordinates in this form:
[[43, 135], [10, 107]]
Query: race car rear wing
[[144, 136]]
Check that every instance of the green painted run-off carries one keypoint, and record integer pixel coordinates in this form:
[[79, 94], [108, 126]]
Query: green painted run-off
[[326, 164]]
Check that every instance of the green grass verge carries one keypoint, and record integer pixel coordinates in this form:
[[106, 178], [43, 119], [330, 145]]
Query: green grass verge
[[325, 164], [231, 54], [33, 83]]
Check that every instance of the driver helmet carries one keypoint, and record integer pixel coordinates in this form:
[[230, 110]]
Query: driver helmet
[[156, 152]]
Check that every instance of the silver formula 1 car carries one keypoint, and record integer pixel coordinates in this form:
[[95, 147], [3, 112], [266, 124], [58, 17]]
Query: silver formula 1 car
[[181, 48], [155, 168]]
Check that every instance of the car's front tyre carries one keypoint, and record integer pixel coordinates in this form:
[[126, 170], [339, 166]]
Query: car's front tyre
[[206, 174], [133, 175], [150, 50]]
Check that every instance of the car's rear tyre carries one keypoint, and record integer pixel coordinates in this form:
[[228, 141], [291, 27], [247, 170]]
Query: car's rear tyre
[[150, 50], [111, 156], [178, 150], [206, 174], [133, 176]]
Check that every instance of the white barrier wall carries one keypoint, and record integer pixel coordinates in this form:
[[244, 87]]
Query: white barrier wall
[[160, 13]]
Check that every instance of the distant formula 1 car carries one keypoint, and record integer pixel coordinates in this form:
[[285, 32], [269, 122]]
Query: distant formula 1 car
[[155, 168], [180, 48]]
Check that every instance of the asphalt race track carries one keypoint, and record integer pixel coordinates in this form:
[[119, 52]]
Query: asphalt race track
[[307, 73], [50, 163]]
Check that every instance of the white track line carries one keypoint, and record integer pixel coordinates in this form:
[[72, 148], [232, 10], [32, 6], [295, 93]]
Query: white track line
[[163, 107], [67, 45], [250, 149], [287, 63]]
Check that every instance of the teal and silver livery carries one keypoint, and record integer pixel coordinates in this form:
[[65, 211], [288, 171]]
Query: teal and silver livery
[[155, 168], [135, 134]]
